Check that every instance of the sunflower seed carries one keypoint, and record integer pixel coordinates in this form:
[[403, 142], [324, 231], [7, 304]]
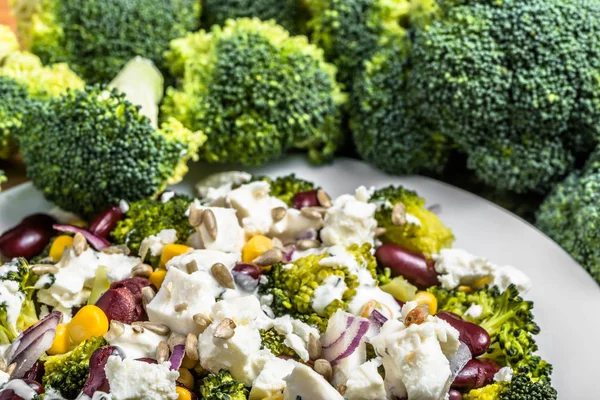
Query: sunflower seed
[[191, 267], [117, 249], [2, 365], [323, 367], [137, 328], [269, 257], [191, 347], [315, 213], [144, 248], [195, 217], [202, 321], [162, 352], [79, 244], [225, 329], [159, 329], [323, 198], [380, 232], [278, 213], [222, 275], [314, 347], [306, 244], [10, 370], [277, 243], [210, 223], [116, 330], [142, 270], [181, 306], [341, 388], [417, 315], [41, 269], [175, 339], [147, 295], [399, 214]]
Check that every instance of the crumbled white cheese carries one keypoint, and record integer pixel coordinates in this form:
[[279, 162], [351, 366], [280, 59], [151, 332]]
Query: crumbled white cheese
[[293, 225], [296, 332], [13, 299], [204, 259], [160, 240], [213, 189], [339, 256], [137, 345], [304, 383], [459, 267], [332, 288], [387, 304], [4, 377], [270, 382], [241, 354], [351, 220], [137, 380], [474, 311], [167, 196], [505, 374], [365, 383], [230, 235]]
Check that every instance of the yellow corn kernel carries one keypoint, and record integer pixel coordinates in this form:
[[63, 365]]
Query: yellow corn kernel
[[427, 299], [90, 321], [255, 247], [172, 250], [62, 341], [186, 378], [188, 363], [157, 277], [59, 245], [183, 393]]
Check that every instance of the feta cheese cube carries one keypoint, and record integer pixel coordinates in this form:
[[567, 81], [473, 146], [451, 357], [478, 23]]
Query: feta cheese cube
[[230, 236], [137, 380], [137, 345], [293, 225], [305, 383], [365, 383], [270, 382], [160, 240]]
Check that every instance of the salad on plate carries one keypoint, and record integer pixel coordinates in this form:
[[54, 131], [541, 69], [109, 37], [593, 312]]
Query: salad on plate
[[263, 289]]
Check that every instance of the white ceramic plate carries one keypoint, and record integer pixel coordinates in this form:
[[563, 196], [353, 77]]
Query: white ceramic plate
[[566, 299]]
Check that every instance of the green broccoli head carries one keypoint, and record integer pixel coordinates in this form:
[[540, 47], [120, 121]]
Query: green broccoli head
[[523, 102], [17, 281], [509, 321], [285, 187], [255, 92], [521, 387], [570, 216], [89, 149], [386, 129], [222, 386], [150, 216], [98, 37], [273, 341], [68, 372], [14, 103], [291, 14], [293, 285], [423, 232]]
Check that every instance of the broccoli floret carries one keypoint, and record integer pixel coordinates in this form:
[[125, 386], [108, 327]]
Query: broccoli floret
[[68, 372], [14, 103], [150, 216], [570, 215], [428, 236], [521, 387], [522, 102], [285, 187], [350, 30], [509, 321], [222, 386], [386, 129], [273, 341], [293, 287], [16, 286], [255, 92], [89, 149], [291, 14], [97, 37]]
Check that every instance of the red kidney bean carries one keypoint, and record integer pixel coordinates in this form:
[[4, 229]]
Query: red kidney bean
[[147, 360], [26, 241], [97, 380], [104, 223], [454, 395], [248, 269], [415, 268], [305, 199], [36, 372], [9, 394], [474, 336], [477, 373], [40, 219]]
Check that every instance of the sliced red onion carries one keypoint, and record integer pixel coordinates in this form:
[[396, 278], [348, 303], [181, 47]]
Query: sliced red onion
[[288, 252], [336, 329], [177, 356], [96, 241], [31, 334], [348, 341], [29, 356], [377, 318]]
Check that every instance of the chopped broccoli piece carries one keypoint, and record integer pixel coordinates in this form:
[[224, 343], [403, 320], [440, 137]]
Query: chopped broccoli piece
[[68, 372], [285, 187], [291, 14], [14, 103], [273, 340], [149, 217], [89, 149], [509, 321], [428, 236], [521, 387], [293, 287], [17, 282], [97, 37], [222, 386], [255, 92]]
